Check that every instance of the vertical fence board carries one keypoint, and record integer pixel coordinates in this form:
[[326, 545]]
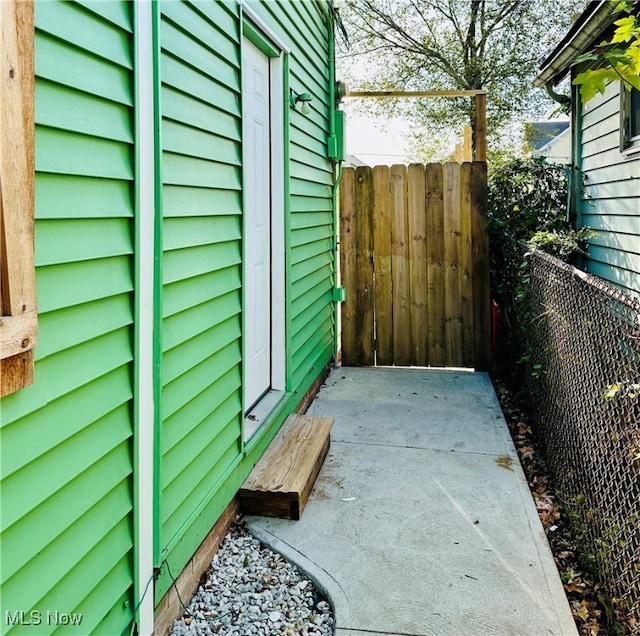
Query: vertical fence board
[[452, 254], [480, 268], [382, 213], [364, 266], [435, 264], [400, 286], [464, 272], [348, 265], [417, 221]]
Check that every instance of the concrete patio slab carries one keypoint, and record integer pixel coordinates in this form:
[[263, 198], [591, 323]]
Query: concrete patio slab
[[421, 522]]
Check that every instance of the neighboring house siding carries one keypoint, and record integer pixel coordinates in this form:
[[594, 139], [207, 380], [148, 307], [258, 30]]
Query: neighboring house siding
[[201, 137], [558, 150], [611, 194], [67, 440]]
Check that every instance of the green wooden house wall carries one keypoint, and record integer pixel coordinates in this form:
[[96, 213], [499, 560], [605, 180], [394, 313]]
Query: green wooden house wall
[[70, 445], [610, 196]]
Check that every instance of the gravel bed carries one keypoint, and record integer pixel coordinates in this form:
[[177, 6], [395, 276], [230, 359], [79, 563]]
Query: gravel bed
[[253, 591]]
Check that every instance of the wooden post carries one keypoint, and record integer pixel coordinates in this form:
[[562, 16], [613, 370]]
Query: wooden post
[[480, 130], [18, 314], [480, 272]]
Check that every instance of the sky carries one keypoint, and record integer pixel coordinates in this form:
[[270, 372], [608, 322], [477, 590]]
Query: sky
[[376, 141]]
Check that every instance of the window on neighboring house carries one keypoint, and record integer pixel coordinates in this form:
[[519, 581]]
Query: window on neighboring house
[[18, 315], [630, 119]]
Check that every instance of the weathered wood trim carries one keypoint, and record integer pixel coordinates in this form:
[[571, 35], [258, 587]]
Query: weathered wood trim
[[18, 323], [16, 372]]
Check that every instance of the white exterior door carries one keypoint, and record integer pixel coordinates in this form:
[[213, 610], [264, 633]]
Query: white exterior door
[[257, 222]]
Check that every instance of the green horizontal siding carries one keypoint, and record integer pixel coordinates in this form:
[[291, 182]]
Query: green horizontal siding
[[114, 199], [199, 289], [73, 25], [199, 260], [182, 140], [202, 116], [67, 441], [207, 468], [207, 230], [202, 253], [611, 194], [182, 201], [66, 448], [311, 264], [62, 64], [200, 407], [181, 328], [93, 115], [107, 237]]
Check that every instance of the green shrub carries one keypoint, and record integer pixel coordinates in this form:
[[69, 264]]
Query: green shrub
[[527, 209], [526, 196]]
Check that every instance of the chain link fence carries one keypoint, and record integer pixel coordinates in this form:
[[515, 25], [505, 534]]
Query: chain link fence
[[583, 363]]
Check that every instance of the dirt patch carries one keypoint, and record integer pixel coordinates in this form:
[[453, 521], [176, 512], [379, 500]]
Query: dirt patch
[[504, 461]]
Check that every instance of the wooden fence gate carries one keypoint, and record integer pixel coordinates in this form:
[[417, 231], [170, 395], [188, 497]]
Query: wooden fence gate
[[414, 261]]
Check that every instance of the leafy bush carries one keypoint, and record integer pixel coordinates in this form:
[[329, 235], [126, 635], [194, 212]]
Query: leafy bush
[[526, 196], [527, 209]]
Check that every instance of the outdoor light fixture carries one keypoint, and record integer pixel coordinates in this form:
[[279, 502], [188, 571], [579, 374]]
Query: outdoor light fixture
[[301, 98], [342, 90]]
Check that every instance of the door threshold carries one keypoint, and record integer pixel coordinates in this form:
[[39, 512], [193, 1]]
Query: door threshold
[[260, 412]]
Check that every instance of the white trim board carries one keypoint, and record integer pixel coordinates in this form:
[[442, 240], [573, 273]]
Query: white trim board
[[145, 248]]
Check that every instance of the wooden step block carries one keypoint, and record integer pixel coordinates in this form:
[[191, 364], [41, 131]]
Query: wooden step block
[[281, 482]]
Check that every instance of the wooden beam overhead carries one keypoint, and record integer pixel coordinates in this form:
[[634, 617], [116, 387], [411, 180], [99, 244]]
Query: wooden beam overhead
[[393, 94]]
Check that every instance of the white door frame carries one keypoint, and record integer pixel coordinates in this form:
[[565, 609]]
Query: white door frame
[[277, 156]]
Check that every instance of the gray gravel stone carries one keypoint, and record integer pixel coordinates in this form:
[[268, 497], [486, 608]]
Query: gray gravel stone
[[253, 591]]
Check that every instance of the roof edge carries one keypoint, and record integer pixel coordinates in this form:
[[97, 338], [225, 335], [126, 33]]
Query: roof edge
[[591, 23]]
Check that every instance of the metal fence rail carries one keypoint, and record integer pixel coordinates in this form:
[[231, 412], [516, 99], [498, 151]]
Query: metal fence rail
[[584, 367]]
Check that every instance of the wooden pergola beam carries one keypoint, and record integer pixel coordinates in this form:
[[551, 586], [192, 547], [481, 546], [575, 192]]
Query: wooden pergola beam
[[382, 94]]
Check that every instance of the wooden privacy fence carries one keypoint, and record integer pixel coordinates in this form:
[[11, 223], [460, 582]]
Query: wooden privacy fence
[[415, 265]]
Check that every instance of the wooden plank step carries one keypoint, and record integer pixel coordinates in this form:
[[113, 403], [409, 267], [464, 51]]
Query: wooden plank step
[[280, 483]]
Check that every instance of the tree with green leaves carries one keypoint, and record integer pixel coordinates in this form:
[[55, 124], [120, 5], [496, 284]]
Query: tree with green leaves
[[614, 59], [455, 45]]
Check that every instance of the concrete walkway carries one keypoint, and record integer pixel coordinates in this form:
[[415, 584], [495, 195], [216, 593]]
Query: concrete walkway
[[421, 522]]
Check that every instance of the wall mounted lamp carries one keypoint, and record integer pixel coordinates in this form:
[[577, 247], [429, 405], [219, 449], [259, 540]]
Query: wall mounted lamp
[[301, 98]]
